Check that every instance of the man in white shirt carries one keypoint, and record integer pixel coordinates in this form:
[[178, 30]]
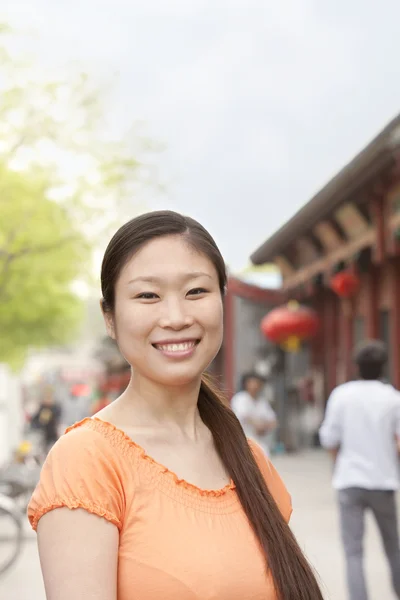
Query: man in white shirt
[[362, 429], [254, 411]]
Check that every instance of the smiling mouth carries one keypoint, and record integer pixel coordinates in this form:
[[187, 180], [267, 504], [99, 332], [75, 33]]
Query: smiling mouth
[[176, 346]]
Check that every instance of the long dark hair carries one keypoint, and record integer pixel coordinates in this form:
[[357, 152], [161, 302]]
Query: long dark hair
[[292, 575]]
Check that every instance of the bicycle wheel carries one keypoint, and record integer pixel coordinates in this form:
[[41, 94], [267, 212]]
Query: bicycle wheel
[[11, 533]]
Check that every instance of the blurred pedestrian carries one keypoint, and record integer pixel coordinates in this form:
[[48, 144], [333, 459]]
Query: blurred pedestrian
[[362, 430], [46, 420], [172, 501], [254, 411]]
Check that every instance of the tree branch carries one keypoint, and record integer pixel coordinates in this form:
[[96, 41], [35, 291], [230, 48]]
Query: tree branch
[[41, 249], [11, 257]]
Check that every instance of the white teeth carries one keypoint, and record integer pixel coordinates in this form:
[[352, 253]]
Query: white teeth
[[176, 347]]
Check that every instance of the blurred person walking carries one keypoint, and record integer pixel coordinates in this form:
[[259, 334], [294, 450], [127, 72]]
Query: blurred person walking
[[254, 411], [46, 420], [362, 431]]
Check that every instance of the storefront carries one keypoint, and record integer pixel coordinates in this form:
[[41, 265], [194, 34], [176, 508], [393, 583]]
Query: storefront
[[340, 254]]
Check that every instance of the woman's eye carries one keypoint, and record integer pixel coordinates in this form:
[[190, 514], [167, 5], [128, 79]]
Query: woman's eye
[[147, 296], [197, 292]]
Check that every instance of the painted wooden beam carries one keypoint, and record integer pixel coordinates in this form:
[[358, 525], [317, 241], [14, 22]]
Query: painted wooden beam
[[307, 250], [351, 220], [327, 235], [323, 265], [393, 220], [284, 265], [254, 293]]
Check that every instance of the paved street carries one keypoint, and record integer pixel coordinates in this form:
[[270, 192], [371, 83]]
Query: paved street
[[314, 522]]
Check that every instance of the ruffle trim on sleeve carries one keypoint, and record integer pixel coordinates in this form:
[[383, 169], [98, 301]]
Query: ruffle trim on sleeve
[[73, 504]]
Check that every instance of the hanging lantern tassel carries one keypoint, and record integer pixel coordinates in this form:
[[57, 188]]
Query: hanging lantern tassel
[[291, 344]]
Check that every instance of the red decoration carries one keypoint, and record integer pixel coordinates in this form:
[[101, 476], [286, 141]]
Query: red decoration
[[80, 389], [289, 325], [345, 284]]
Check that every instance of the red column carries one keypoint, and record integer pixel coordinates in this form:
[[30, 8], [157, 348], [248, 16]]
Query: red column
[[394, 274], [229, 343], [330, 340], [347, 316], [318, 342], [372, 290], [378, 218]]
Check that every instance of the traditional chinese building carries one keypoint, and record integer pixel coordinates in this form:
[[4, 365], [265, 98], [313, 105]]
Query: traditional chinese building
[[340, 254]]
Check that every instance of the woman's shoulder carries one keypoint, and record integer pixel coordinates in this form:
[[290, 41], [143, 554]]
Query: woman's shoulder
[[84, 469], [89, 437]]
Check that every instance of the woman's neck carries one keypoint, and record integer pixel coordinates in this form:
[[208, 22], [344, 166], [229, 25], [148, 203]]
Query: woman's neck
[[146, 403]]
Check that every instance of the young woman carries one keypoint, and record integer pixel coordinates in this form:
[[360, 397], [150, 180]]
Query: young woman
[[161, 496]]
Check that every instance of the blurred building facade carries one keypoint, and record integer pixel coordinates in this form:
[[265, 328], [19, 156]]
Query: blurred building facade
[[351, 226], [244, 348]]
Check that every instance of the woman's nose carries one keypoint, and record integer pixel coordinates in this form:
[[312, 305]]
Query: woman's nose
[[175, 315]]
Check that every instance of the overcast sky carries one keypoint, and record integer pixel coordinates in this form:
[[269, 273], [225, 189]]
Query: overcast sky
[[259, 103]]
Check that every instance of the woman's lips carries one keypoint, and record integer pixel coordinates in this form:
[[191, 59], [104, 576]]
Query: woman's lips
[[177, 349]]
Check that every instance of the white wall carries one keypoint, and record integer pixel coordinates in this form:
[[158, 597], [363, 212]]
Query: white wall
[[11, 415], [248, 337]]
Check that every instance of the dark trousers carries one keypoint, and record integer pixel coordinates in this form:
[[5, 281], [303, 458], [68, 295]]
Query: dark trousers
[[353, 503]]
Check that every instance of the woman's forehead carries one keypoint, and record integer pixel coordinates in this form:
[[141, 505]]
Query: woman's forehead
[[166, 257]]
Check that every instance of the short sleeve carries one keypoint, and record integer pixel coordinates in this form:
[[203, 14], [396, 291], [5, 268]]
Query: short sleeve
[[81, 471], [273, 481]]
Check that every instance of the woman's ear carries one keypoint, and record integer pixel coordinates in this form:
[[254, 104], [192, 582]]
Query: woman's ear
[[108, 320]]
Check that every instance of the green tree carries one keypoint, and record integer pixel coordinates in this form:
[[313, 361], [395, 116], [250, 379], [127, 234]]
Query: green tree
[[65, 183], [41, 253]]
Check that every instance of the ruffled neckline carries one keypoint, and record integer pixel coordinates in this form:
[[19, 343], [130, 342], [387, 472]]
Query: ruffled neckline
[[141, 452]]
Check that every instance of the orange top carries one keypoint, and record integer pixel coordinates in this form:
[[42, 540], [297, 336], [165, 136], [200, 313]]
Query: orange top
[[176, 540]]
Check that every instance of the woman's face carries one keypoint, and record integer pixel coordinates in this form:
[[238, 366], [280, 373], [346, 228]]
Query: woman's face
[[168, 318]]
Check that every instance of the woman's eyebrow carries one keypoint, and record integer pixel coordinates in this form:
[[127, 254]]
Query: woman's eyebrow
[[154, 279]]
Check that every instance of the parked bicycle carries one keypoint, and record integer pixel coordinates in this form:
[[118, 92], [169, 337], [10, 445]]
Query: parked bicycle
[[17, 481], [11, 533]]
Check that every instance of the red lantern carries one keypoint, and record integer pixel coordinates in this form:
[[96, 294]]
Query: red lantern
[[345, 284], [289, 325]]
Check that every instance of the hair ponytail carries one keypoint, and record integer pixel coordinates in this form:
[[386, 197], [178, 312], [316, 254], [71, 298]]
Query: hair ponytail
[[292, 575]]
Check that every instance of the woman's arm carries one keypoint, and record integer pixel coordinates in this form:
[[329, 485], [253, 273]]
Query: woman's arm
[[79, 555]]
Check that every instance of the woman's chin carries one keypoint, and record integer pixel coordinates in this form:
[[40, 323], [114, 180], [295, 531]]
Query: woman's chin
[[181, 381], [174, 377]]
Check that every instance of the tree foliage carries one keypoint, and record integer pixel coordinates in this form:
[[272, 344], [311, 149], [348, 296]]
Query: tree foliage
[[41, 253], [65, 183]]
